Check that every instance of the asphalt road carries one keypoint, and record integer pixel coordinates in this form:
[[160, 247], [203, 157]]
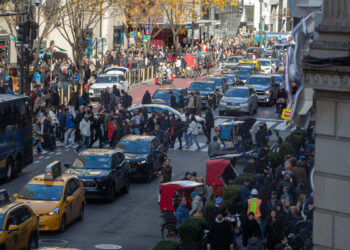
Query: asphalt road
[[133, 221]]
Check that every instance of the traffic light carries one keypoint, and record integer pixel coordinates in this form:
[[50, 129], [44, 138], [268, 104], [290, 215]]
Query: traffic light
[[23, 31], [34, 30]]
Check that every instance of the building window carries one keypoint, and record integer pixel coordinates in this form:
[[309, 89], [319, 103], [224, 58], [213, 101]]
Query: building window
[[118, 34], [249, 13]]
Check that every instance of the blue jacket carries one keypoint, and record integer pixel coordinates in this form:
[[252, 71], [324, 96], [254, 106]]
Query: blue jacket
[[165, 125], [182, 214], [244, 194], [70, 122]]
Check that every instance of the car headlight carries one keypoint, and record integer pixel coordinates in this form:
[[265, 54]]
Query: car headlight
[[141, 162], [267, 92], [55, 211]]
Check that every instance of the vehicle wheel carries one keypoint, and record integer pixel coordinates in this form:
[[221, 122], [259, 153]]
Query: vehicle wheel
[[63, 224], [81, 213], [221, 113], [33, 243], [111, 194], [9, 170], [149, 177], [169, 232], [127, 185]]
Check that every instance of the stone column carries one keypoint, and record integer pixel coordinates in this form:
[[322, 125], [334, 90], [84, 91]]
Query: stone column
[[332, 149]]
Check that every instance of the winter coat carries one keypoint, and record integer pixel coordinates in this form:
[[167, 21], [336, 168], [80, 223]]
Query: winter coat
[[146, 99], [182, 214], [209, 120], [165, 171], [198, 102], [70, 122], [249, 227], [191, 102], [221, 236], [110, 130], [181, 102], [85, 127], [193, 128], [173, 102], [178, 128], [196, 206]]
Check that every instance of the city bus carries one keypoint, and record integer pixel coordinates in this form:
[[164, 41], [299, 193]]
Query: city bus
[[16, 135]]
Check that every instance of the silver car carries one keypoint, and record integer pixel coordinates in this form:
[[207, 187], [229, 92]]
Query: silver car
[[239, 100]]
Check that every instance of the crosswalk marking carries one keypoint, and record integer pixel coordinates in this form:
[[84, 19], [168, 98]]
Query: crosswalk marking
[[193, 147], [255, 126], [220, 121], [270, 124], [205, 149], [282, 126]]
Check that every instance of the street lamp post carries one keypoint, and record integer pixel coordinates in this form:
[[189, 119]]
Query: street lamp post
[[260, 23]]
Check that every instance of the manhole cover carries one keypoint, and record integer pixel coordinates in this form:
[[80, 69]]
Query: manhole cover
[[108, 246], [54, 241]]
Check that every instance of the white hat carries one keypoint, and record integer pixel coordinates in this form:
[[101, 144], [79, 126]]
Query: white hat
[[254, 192]]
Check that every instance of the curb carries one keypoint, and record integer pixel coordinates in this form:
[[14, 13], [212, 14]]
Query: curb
[[136, 85]]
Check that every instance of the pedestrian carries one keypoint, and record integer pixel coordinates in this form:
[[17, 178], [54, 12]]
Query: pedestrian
[[209, 124], [249, 227], [273, 230], [164, 173], [136, 122], [215, 210], [99, 130], [164, 132], [146, 99], [244, 192], [186, 130], [214, 148], [198, 103], [193, 131], [172, 100], [254, 204], [178, 129], [172, 131], [111, 128], [85, 132], [191, 108], [181, 102], [46, 132], [220, 237], [37, 137], [196, 206], [182, 213]]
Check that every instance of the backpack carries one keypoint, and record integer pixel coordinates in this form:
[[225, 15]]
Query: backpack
[[129, 100]]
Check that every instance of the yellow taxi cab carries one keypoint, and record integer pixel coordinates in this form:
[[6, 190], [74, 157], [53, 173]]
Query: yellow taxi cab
[[18, 225], [57, 198], [253, 63]]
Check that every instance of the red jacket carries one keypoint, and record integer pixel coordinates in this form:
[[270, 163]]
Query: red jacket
[[110, 130]]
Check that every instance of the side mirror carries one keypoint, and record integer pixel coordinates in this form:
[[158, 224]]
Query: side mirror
[[15, 196], [13, 228], [69, 199]]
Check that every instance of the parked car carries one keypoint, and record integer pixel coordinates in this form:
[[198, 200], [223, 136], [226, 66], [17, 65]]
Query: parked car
[[207, 90], [265, 88], [239, 100], [220, 82], [144, 154], [107, 81], [161, 95], [103, 172]]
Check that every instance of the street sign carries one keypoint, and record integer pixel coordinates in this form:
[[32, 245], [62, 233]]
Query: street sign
[[13, 38], [286, 114], [133, 34], [188, 26], [147, 31], [18, 44], [145, 37]]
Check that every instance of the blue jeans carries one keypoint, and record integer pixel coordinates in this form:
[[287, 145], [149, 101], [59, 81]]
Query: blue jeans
[[262, 228], [136, 130], [84, 140], [187, 139], [37, 142], [194, 138]]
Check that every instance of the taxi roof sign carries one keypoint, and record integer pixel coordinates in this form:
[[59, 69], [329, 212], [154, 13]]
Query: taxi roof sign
[[53, 171], [4, 197]]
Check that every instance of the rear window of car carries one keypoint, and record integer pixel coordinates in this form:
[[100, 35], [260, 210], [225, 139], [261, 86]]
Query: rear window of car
[[107, 79]]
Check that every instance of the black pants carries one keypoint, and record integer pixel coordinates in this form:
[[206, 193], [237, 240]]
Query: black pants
[[61, 131], [207, 133], [48, 142]]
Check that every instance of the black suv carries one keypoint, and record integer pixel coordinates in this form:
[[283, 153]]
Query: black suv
[[103, 172], [144, 154]]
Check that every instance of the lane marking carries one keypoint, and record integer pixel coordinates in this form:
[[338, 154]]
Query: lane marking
[[270, 124], [282, 126], [108, 246]]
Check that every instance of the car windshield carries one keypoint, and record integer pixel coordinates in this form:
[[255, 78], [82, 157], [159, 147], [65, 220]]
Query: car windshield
[[244, 71], [258, 81], [217, 81], [2, 218], [204, 86], [41, 192], [237, 93], [265, 63], [278, 78], [233, 59], [92, 162], [107, 79], [134, 147], [165, 94]]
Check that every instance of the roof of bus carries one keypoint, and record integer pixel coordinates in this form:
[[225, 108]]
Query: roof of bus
[[9, 97]]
